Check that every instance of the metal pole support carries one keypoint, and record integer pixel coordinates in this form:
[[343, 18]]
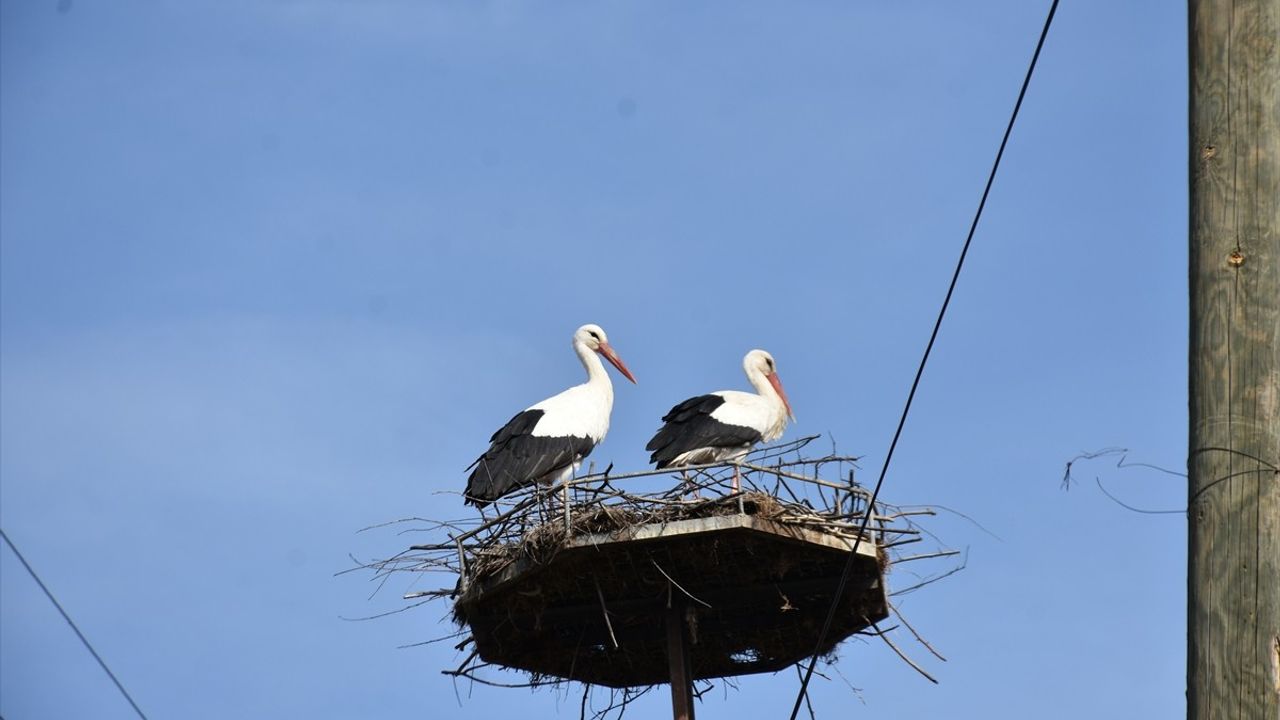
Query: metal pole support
[[678, 661]]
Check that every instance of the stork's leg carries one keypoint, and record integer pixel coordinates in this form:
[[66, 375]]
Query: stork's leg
[[564, 498], [737, 484], [540, 495]]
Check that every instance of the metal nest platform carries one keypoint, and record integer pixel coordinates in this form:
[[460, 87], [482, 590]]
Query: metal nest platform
[[751, 591], [632, 580]]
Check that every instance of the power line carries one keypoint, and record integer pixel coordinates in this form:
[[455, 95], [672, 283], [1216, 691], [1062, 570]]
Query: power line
[[848, 567], [31, 571]]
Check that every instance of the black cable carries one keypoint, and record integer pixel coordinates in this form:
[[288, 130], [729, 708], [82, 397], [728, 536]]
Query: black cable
[[866, 518], [67, 617]]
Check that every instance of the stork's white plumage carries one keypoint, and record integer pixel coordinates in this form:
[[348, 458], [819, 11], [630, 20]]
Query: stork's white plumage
[[547, 441], [724, 425]]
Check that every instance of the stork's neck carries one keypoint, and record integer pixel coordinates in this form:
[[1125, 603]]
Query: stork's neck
[[597, 376], [764, 388]]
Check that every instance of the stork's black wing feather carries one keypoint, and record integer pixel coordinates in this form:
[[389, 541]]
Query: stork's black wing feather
[[689, 426], [516, 457]]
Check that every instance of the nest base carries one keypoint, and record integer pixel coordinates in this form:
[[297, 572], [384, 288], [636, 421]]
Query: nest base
[[755, 592]]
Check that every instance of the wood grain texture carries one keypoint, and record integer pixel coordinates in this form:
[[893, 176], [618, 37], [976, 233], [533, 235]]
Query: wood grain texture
[[1233, 574]]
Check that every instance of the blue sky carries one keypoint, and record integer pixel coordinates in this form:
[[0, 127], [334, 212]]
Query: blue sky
[[271, 272]]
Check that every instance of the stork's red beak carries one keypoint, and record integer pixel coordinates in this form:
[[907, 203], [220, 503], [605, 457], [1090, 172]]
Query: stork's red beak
[[612, 357], [777, 387]]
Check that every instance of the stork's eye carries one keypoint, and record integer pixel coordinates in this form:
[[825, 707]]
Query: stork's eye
[[593, 334]]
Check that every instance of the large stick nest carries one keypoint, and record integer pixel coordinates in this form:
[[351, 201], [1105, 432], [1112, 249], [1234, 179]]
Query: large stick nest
[[535, 532]]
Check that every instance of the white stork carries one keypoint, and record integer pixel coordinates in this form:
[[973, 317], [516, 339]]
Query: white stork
[[547, 442], [724, 425]]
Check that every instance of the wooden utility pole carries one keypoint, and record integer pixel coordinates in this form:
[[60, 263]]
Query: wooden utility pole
[[1233, 571]]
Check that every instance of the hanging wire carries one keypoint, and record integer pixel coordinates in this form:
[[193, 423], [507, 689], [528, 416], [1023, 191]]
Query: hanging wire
[[31, 571], [844, 576]]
